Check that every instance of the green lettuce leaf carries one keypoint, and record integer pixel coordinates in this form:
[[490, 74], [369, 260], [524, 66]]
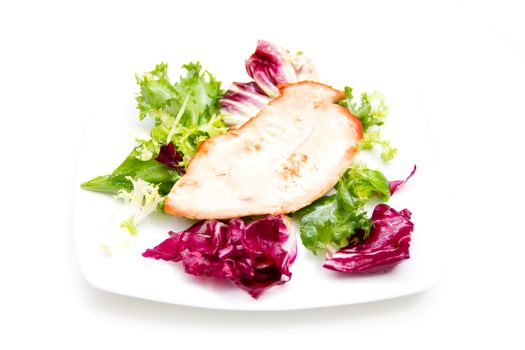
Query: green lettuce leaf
[[360, 184], [165, 102], [331, 221], [151, 171], [372, 138]]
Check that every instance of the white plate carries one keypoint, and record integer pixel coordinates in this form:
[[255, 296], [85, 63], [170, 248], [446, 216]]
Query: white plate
[[109, 138]]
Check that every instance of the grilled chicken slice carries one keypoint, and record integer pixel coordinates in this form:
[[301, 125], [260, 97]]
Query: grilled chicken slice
[[281, 160]]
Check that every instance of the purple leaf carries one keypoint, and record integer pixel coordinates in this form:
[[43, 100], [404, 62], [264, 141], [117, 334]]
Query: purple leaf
[[255, 256], [396, 185], [267, 66], [387, 244], [270, 67], [170, 157], [241, 102]]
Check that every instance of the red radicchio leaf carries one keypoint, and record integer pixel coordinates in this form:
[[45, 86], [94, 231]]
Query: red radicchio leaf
[[255, 256], [398, 184], [387, 244], [270, 67], [266, 67], [170, 157], [242, 101]]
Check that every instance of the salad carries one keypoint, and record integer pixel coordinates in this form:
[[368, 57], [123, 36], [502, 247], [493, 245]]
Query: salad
[[248, 161]]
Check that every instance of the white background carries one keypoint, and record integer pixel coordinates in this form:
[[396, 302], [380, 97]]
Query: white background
[[469, 59]]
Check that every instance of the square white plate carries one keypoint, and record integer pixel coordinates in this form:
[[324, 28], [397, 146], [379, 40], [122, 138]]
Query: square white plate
[[109, 138]]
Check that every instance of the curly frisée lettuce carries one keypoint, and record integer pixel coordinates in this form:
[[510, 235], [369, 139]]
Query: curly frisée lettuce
[[372, 138], [186, 113], [158, 94], [140, 202], [135, 206], [372, 111]]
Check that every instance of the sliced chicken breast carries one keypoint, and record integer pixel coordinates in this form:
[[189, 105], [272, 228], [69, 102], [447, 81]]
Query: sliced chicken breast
[[281, 160]]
